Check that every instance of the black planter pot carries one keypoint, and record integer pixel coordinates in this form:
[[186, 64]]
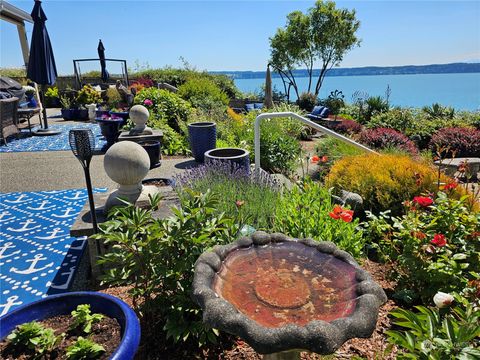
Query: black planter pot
[[155, 181], [238, 157], [68, 114], [202, 137], [102, 113], [152, 148], [82, 114], [110, 129]]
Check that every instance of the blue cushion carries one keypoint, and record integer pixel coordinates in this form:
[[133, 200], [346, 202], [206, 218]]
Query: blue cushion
[[258, 105], [325, 112], [317, 110], [249, 107]]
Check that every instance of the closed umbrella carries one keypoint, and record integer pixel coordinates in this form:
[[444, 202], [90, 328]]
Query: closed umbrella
[[268, 101], [41, 64], [103, 64]]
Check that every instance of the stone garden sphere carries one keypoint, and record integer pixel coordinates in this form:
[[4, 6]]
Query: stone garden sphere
[[126, 163], [139, 114]]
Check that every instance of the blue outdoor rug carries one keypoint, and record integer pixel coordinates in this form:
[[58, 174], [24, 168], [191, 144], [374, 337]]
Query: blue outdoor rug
[[37, 255], [50, 143]]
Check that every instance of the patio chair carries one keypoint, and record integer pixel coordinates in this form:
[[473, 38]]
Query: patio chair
[[319, 113], [8, 118]]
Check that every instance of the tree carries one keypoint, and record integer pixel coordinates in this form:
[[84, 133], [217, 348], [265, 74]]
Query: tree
[[320, 37]]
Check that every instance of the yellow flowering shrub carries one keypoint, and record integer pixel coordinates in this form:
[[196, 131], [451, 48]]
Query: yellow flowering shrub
[[385, 181], [233, 115]]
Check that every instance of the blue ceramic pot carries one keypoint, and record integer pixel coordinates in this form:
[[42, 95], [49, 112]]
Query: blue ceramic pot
[[120, 115], [32, 103], [202, 137], [110, 129], [65, 303]]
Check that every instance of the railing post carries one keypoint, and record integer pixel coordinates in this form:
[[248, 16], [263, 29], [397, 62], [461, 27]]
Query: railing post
[[306, 122]]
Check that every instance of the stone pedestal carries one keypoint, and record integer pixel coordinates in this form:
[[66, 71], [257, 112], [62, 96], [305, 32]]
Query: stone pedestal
[[156, 135]]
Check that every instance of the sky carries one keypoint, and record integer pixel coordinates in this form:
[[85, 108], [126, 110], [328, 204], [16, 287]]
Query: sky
[[234, 35]]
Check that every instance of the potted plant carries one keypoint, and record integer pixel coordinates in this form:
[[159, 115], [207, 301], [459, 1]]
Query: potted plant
[[240, 158], [87, 95], [69, 112], [110, 128], [52, 98], [30, 95], [68, 303], [202, 137]]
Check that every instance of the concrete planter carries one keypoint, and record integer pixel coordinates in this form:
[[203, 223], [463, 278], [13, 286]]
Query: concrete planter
[[237, 157]]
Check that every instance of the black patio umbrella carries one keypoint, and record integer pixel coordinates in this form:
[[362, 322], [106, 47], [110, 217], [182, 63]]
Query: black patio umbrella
[[41, 63], [103, 64]]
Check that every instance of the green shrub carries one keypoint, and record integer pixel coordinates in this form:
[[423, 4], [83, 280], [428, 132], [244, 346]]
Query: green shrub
[[255, 196], [157, 257], [307, 101], [203, 93], [166, 106], [303, 212], [434, 246], [432, 333], [177, 77], [383, 181]]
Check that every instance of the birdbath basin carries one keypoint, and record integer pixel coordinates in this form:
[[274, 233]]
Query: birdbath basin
[[282, 294]]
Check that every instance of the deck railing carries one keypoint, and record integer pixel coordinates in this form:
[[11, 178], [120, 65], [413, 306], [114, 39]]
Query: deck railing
[[306, 122]]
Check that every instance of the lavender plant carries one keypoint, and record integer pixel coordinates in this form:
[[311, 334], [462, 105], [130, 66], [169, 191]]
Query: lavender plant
[[255, 193]]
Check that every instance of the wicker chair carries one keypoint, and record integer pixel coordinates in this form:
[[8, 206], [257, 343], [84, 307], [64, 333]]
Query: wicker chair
[[8, 118]]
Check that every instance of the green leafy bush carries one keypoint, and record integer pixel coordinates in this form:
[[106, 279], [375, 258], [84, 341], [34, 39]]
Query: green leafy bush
[[84, 349], [434, 246], [432, 333], [88, 95], [203, 93], [304, 212], [165, 106], [157, 258], [307, 101], [178, 77]]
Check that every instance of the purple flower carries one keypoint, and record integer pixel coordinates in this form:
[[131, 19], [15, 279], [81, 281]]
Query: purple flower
[[148, 102]]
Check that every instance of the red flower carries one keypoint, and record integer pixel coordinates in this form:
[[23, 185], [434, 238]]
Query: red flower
[[340, 213], [439, 240], [315, 159], [324, 159], [423, 201], [449, 186]]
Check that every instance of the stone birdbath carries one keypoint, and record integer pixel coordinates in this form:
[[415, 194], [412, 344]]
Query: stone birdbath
[[283, 295]]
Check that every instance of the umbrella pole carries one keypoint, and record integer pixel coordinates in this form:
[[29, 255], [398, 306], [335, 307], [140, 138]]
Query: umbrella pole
[[44, 130]]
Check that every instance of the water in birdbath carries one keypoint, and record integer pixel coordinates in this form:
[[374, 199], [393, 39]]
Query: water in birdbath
[[287, 283]]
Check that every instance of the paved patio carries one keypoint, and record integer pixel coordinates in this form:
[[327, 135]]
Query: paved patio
[[41, 194]]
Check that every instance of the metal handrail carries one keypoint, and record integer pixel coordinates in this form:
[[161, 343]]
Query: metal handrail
[[306, 122]]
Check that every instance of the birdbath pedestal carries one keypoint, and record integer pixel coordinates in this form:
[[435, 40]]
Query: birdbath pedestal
[[284, 295]]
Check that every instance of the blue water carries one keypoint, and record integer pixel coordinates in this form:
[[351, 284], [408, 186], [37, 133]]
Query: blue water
[[460, 91]]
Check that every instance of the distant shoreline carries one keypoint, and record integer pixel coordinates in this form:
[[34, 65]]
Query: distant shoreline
[[453, 68]]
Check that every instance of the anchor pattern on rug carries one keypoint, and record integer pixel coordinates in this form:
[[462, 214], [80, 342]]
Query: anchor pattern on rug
[[38, 257], [51, 143]]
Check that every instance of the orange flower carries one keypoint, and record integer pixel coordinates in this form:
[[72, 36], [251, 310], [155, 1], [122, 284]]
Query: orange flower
[[340, 213], [419, 235], [449, 186]]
